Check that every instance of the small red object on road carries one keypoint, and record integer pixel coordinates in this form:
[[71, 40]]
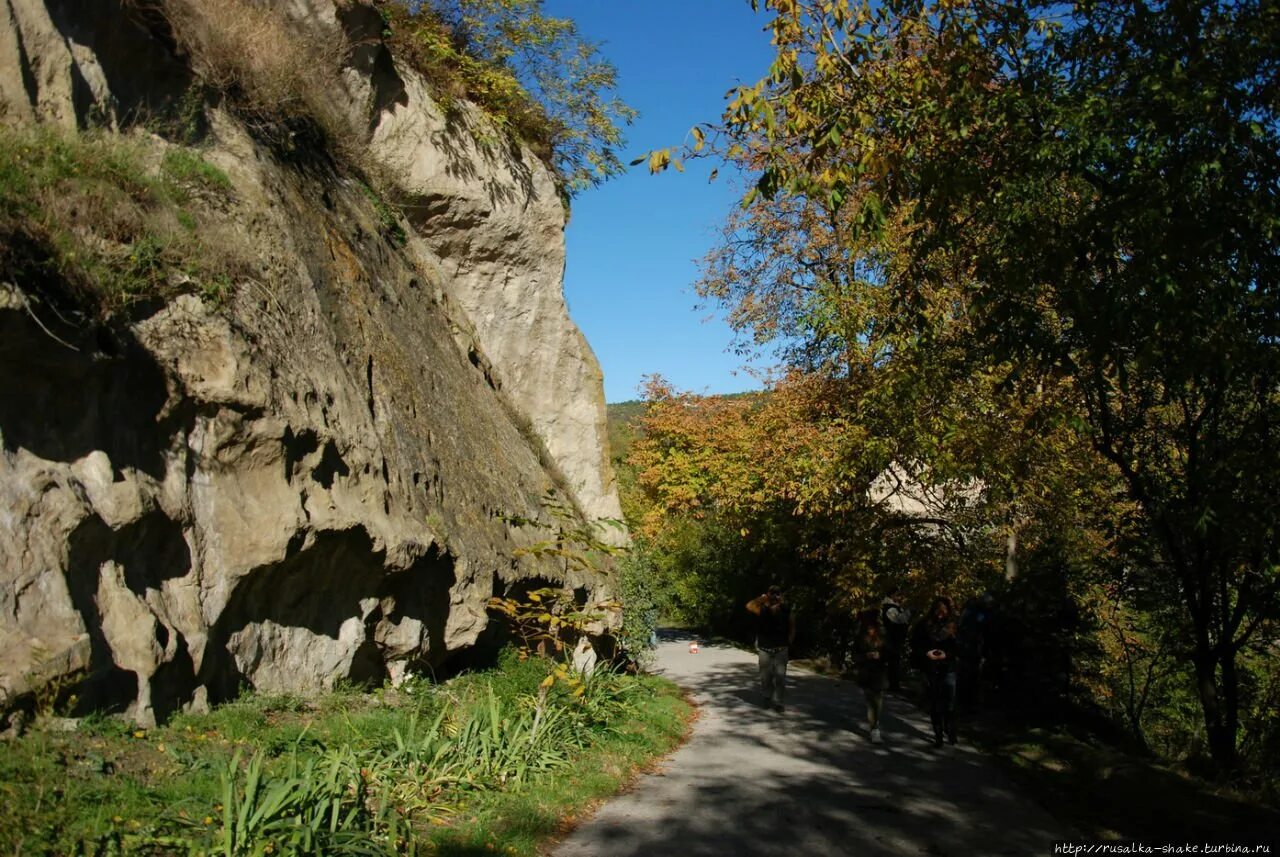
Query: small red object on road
[[693, 647]]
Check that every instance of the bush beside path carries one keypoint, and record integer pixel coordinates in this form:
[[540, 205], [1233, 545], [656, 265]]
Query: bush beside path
[[453, 768]]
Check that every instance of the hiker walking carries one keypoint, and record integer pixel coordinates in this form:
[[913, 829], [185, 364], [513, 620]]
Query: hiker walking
[[872, 648], [973, 637], [933, 648], [775, 632], [895, 619]]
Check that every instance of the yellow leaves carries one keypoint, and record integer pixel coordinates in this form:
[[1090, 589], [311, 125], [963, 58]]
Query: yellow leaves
[[745, 97], [741, 455], [547, 617], [785, 8]]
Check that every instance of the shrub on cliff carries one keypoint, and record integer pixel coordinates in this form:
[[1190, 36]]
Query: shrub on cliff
[[533, 74]]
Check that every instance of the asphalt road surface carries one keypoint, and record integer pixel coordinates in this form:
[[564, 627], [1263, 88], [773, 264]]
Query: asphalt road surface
[[751, 781]]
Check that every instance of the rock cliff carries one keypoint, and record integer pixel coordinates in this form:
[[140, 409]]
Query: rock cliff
[[310, 477]]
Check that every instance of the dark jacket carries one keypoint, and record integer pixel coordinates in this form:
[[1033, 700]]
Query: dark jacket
[[872, 673], [773, 626], [929, 635]]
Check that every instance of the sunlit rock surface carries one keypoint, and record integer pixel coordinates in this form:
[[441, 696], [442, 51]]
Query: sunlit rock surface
[[314, 481]]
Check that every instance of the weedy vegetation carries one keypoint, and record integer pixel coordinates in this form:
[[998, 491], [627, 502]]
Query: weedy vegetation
[[111, 220], [283, 81], [533, 76], [496, 760], [489, 759]]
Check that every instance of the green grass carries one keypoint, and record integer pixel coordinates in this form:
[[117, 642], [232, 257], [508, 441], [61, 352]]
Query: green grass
[[425, 768], [110, 218], [519, 822], [388, 217], [185, 168]]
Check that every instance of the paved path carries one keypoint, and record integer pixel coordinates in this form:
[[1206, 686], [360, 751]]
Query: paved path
[[807, 782]]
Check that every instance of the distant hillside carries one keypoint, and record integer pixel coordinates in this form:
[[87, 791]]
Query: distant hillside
[[624, 428]]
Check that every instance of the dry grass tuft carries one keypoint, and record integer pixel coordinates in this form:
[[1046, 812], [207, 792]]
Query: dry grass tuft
[[277, 74]]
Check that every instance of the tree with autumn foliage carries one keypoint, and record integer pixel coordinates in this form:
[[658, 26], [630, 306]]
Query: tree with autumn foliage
[[814, 484], [1077, 196]]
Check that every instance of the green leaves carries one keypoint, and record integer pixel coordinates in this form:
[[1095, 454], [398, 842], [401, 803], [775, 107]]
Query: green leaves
[[316, 805], [535, 75], [1072, 191]]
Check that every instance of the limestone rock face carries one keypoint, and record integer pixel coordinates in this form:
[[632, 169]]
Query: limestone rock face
[[313, 481], [494, 221], [65, 61]]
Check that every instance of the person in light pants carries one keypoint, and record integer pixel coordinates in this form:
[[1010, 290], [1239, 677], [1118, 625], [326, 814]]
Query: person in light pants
[[873, 669], [775, 632]]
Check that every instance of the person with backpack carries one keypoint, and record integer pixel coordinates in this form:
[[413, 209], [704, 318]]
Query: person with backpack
[[896, 621], [933, 647], [871, 659], [775, 632]]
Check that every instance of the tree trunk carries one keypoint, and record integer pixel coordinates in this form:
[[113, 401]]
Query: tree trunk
[[1217, 717], [1231, 708], [1011, 555], [1219, 702]]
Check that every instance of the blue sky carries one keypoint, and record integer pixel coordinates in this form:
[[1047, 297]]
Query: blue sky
[[633, 242]]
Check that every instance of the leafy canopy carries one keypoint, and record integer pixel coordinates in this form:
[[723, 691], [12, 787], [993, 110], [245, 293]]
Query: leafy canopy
[[1086, 191]]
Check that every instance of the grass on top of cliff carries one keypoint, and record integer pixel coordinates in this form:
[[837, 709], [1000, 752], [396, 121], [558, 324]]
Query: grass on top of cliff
[[493, 761], [108, 220]]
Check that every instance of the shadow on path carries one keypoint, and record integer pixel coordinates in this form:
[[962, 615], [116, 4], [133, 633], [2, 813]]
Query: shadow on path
[[752, 781]]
